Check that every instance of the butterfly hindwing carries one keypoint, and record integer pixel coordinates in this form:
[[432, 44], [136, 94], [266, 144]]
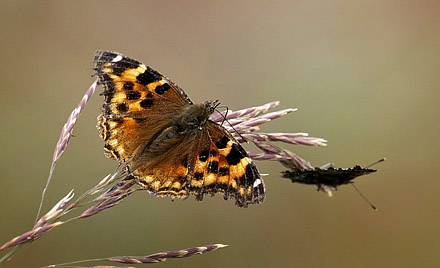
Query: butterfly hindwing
[[213, 162], [222, 165]]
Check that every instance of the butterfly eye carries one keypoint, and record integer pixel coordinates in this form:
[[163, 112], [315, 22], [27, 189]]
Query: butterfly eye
[[194, 121]]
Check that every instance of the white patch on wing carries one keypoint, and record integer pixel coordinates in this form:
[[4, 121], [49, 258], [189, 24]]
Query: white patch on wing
[[118, 58], [257, 182]]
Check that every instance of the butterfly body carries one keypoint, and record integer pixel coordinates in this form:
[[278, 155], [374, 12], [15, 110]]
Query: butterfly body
[[183, 125], [168, 143]]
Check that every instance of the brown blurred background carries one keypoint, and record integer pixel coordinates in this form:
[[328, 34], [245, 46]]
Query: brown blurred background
[[364, 75]]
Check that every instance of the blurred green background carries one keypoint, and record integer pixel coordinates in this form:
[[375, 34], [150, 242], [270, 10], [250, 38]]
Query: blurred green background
[[364, 75]]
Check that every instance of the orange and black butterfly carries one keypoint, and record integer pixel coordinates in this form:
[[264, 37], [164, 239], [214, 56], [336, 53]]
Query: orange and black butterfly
[[167, 143]]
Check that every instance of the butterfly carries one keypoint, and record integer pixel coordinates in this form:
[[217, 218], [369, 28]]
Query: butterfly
[[330, 176], [167, 143]]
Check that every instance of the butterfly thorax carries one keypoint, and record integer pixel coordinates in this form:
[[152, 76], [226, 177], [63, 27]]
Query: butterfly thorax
[[194, 117]]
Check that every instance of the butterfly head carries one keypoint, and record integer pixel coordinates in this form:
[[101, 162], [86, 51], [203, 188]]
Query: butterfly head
[[195, 116], [210, 106]]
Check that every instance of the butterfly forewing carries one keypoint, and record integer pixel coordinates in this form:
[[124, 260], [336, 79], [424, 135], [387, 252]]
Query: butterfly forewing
[[138, 102], [132, 89]]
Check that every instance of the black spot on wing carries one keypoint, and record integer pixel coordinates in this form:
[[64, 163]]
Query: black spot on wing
[[162, 89], [133, 95], [146, 103], [122, 107], [213, 167], [128, 86], [236, 154], [148, 77], [203, 156], [223, 171], [221, 144]]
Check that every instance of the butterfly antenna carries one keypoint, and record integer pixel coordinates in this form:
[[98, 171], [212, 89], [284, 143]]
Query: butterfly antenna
[[376, 162], [363, 197], [224, 116], [224, 119]]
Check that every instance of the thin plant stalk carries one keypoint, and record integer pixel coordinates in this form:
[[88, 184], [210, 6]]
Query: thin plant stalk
[[149, 259], [66, 134]]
